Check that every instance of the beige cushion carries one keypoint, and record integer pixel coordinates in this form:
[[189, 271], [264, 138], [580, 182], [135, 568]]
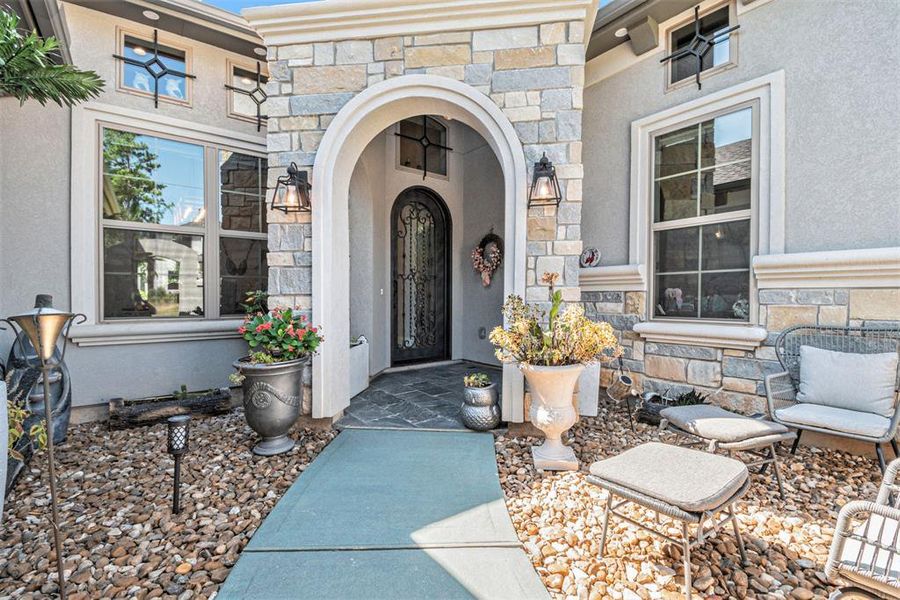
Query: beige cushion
[[716, 423], [838, 420], [691, 480], [862, 382]]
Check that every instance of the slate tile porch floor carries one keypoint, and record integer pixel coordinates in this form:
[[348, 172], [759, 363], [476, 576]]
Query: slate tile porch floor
[[423, 398]]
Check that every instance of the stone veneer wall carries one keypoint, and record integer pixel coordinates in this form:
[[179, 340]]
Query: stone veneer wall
[[735, 377], [535, 74]]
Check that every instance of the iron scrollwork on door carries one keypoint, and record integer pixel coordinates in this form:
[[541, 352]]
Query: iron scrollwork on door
[[420, 280]]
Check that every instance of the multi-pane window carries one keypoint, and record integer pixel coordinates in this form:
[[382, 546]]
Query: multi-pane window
[[703, 186], [143, 78], [423, 145], [158, 236], [720, 54], [246, 93]]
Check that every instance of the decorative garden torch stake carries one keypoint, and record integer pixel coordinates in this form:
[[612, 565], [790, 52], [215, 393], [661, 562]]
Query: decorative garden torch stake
[[179, 427], [43, 326]]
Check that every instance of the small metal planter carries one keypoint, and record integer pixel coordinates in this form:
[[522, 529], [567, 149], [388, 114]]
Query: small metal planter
[[480, 410], [272, 394]]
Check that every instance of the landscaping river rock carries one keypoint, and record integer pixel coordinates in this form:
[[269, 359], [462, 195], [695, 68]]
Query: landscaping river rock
[[559, 518], [121, 538]]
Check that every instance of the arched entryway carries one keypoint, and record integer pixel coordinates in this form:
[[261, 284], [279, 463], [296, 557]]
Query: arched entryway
[[358, 122], [421, 232]]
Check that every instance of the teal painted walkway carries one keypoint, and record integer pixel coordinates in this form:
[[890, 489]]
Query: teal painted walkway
[[390, 514]]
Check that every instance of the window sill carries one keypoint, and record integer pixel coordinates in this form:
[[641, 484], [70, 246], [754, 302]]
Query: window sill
[[737, 337], [119, 334]]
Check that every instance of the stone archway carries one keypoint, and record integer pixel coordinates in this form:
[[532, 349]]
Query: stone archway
[[357, 123]]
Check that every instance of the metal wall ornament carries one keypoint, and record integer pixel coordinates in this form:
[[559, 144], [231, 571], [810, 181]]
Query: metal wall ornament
[[700, 45], [43, 326], [155, 67], [544, 185], [292, 191], [257, 95], [425, 143]]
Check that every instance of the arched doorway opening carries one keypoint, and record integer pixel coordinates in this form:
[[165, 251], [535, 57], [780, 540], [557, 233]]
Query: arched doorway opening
[[358, 122], [421, 231]]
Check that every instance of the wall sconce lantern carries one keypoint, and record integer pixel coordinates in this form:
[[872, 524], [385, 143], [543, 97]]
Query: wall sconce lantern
[[544, 185], [177, 446], [43, 325], [292, 191]]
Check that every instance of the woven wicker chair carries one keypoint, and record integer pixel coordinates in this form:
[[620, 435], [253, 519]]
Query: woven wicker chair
[[781, 388], [865, 551]]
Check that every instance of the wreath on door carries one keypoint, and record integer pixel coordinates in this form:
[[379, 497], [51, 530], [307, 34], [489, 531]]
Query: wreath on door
[[487, 257]]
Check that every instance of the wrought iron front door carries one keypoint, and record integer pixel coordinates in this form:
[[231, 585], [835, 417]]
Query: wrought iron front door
[[420, 277]]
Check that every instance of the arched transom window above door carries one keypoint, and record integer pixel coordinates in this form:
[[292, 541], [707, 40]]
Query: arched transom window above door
[[423, 145]]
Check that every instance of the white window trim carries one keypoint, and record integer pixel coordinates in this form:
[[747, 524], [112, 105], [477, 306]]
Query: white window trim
[[146, 34], [768, 91], [85, 231]]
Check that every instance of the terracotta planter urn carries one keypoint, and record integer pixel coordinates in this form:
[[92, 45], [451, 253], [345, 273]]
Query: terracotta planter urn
[[272, 396], [553, 413]]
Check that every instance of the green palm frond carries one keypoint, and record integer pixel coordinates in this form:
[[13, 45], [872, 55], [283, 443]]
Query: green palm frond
[[27, 70]]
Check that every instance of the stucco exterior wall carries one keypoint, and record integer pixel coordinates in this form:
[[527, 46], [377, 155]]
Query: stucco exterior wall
[[842, 132], [35, 219], [94, 40]]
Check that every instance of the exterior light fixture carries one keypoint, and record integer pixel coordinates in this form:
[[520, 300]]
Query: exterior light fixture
[[151, 15], [177, 445], [259, 51], [544, 185], [621, 32], [292, 191], [43, 325]]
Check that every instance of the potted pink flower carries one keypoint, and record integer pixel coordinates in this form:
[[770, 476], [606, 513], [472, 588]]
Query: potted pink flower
[[281, 344]]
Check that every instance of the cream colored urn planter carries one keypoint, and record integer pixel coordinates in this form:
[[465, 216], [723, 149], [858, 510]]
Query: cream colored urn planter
[[553, 413]]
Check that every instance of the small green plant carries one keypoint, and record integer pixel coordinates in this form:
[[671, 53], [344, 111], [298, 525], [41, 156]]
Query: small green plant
[[181, 394], [17, 417], [689, 398], [255, 302], [477, 380]]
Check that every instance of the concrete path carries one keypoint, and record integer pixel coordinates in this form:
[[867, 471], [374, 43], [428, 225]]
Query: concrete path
[[390, 514]]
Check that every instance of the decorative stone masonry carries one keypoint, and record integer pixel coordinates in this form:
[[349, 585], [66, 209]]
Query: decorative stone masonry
[[535, 74], [735, 378]]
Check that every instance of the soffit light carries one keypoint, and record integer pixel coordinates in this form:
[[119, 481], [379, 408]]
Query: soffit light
[[149, 14], [292, 191], [259, 51], [621, 32], [544, 184]]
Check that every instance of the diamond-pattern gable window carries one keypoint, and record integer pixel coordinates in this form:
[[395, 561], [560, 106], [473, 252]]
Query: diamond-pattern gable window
[[423, 145], [247, 91], [151, 68]]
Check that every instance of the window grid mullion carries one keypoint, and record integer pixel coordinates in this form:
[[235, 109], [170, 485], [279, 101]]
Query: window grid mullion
[[699, 269], [725, 217], [211, 264]]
